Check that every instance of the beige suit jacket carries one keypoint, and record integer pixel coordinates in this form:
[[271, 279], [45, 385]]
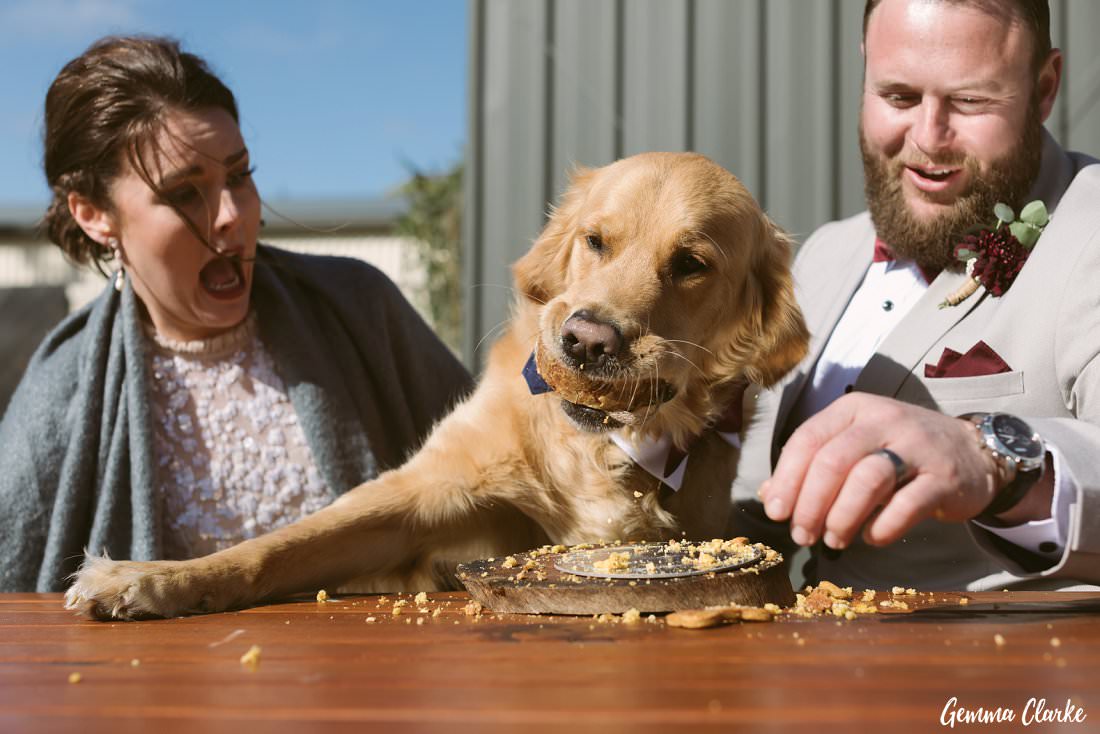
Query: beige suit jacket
[[1046, 327]]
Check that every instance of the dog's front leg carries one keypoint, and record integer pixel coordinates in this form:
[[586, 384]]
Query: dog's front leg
[[366, 531]]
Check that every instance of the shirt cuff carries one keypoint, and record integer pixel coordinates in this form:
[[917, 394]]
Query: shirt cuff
[[1046, 538]]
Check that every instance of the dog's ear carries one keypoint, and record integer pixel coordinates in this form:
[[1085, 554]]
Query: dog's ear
[[540, 275], [781, 339]]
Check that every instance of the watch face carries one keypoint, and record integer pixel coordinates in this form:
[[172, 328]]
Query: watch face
[[1017, 436]]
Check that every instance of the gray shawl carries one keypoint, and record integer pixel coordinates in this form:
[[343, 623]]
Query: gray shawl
[[365, 374]]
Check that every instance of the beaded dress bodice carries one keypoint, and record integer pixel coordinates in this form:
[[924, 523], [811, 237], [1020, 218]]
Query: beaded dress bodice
[[232, 461]]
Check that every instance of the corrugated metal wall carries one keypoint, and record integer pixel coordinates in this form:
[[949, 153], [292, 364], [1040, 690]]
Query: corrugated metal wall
[[768, 88]]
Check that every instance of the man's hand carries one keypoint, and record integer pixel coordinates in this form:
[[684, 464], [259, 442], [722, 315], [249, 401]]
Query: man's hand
[[829, 482]]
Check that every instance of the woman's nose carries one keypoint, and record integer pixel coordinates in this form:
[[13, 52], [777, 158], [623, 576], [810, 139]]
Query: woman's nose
[[228, 213]]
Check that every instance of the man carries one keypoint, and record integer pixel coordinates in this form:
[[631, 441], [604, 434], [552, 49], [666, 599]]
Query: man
[[877, 474]]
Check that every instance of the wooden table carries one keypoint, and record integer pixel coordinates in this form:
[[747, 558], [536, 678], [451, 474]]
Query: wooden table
[[328, 667]]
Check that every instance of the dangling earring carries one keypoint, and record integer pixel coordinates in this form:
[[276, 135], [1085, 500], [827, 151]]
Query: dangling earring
[[120, 276]]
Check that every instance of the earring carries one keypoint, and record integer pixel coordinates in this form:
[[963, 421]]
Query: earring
[[120, 276]]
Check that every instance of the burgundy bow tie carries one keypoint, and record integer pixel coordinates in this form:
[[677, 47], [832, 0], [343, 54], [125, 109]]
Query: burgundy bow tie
[[884, 254]]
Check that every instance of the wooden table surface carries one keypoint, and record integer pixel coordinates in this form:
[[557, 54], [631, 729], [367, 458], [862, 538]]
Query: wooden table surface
[[350, 664]]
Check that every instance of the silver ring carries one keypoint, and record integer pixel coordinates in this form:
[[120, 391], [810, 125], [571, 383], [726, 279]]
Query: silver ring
[[902, 472]]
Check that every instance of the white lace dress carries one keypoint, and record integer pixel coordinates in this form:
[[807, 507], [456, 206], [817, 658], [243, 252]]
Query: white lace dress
[[232, 461]]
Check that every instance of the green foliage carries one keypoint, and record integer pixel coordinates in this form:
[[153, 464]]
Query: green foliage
[[434, 222], [1030, 225], [1035, 213]]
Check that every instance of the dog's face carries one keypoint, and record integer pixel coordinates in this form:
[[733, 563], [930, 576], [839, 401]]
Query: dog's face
[[662, 285]]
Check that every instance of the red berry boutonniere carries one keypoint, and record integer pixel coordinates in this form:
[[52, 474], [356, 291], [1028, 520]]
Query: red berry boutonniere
[[994, 257]]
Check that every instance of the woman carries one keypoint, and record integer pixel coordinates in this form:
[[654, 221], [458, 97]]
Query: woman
[[218, 388]]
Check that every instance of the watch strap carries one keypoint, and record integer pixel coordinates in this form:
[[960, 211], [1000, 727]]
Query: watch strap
[[1010, 495]]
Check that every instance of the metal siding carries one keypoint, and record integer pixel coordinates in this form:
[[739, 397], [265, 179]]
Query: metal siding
[[800, 128], [768, 88], [1057, 120], [849, 71], [513, 164], [728, 80], [1082, 82], [474, 249], [655, 75], [585, 117]]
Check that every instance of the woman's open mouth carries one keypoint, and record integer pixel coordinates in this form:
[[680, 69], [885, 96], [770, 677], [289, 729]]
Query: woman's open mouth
[[223, 278]]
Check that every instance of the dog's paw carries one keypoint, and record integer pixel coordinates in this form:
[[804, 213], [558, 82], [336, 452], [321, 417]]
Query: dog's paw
[[106, 589]]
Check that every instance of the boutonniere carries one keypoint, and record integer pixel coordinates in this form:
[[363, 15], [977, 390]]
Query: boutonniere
[[994, 257]]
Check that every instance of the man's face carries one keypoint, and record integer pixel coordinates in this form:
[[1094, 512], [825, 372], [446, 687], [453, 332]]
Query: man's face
[[950, 122]]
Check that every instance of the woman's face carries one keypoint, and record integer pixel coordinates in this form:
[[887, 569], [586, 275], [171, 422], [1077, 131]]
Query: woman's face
[[200, 166]]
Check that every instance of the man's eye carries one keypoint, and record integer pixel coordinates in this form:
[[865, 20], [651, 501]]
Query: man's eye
[[969, 102], [901, 100], [595, 242]]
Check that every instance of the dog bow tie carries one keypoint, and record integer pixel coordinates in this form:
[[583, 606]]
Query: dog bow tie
[[535, 383], [660, 458]]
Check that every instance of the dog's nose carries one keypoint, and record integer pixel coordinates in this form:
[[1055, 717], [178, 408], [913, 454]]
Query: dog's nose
[[588, 340]]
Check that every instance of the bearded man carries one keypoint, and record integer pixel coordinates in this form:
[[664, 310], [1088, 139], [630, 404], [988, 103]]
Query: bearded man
[[944, 432]]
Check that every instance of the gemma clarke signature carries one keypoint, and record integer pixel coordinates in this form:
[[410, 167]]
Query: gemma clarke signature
[[1035, 711]]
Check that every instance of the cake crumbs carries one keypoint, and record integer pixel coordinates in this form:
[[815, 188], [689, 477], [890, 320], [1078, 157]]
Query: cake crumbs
[[251, 659]]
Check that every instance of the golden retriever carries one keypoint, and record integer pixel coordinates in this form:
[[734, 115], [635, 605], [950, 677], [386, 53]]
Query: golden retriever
[[657, 290]]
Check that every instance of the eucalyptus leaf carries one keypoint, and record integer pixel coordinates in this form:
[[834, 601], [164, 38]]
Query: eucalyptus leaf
[[1026, 234], [1035, 213], [1003, 212], [964, 254]]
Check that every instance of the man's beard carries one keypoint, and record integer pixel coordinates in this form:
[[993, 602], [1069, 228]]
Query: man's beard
[[931, 243]]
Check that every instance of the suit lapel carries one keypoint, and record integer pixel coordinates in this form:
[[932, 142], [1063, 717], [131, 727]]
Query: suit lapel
[[901, 352]]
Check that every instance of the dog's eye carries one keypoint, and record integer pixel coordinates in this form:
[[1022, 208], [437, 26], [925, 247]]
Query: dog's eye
[[686, 264], [595, 242]]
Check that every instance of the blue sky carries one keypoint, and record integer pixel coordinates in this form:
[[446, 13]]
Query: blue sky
[[337, 97]]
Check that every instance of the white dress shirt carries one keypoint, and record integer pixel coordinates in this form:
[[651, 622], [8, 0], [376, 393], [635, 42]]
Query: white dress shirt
[[888, 292]]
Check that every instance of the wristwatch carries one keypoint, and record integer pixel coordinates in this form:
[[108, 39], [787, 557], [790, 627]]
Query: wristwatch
[[1019, 453]]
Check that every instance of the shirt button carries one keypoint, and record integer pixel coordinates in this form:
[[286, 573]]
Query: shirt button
[[887, 305]]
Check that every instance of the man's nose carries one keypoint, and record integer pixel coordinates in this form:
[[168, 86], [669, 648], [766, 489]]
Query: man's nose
[[931, 131]]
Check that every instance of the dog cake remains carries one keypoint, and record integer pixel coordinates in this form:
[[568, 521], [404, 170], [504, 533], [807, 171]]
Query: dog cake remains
[[615, 577], [618, 398]]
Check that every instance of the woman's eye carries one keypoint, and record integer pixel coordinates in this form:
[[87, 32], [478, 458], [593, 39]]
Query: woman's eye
[[240, 177], [181, 196], [595, 242]]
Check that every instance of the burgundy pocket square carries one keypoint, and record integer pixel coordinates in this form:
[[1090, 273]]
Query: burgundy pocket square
[[979, 360]]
